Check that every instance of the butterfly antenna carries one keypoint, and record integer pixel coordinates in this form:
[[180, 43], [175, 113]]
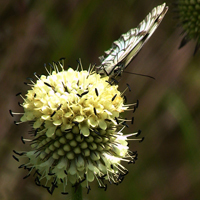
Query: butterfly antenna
[[140, 74]]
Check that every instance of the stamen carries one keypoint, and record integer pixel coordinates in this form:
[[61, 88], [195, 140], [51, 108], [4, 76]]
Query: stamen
[[26, 176], [109, 83], [124, 120], [120, 178], [45, 185], [100, 181], [79, 64], [38, 173], [137, 104], [96, 91], [142, 139], [68, 130], [59, 107], [132, 120], [114, 97], [19, 104], [121, 129], [102, 177], [28, 140], [62, 62], [131, 134], [22, 139], [124, 123], [55, 182], [50, 190], [21, 166], [124, 92], [15, 158], [19, 154], [25, 83], [64, 193], [51, 66], [82, 180], [84, 93], [129, 87], [114, 81], [95, 112], [51, 174], [17, 123], [131, 162], [55, 66], [37, 76], [98, 133], [10, 111], [91, 71], [37, 181], [125, 99], [48, 84], [31, 80], [65, 87], [138, 133], [116, 119], [53, 114], [121, 168], [65, 172], [13, 113], [88, 187], [45, 66], [18, 94], [75, 122], [105, 187], [134, 108]]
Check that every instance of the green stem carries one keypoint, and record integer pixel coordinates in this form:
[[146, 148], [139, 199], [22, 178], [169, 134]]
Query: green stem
[[77, 193]]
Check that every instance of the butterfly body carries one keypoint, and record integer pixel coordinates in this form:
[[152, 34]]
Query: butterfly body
[[123, 50]]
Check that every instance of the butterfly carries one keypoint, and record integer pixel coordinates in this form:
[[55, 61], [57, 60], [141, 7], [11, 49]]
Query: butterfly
[[123, 50]]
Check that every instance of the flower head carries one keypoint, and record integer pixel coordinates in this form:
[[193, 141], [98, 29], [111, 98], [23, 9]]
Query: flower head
[[189, 18], [76, 132]]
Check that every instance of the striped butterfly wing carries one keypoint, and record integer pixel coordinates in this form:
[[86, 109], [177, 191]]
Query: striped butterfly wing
[[123, 50]]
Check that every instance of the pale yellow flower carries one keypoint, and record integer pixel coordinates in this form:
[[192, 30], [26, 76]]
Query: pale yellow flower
[[77, 129]]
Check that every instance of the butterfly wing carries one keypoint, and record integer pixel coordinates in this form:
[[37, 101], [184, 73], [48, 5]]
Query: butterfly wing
[[123, 50]]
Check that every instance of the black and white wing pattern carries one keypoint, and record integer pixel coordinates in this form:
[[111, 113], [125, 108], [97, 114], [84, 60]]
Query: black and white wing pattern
[[123, 50]]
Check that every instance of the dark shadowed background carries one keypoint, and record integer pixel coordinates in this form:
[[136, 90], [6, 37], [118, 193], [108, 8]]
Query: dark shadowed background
[[36, 32]]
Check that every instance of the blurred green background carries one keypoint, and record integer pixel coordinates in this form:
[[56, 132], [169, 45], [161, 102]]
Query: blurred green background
[[37, 32]]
